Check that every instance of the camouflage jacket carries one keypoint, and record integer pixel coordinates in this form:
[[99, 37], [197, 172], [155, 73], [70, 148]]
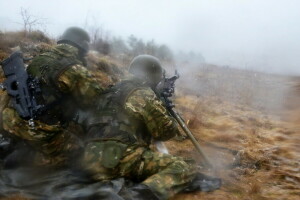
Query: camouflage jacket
[[66, 85], [65, 82], [130, 112]]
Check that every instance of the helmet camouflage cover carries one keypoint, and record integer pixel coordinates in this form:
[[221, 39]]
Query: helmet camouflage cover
[[147, 67], [76, 37]]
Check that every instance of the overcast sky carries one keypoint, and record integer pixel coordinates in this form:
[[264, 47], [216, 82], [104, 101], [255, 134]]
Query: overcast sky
[[252, 34]]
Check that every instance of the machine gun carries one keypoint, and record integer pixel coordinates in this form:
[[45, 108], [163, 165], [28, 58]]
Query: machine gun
[[166, 89], [20, 86]]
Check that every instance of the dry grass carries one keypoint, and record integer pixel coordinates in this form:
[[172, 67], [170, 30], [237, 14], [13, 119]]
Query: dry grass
[[9, 40], [235, 116], [104, 70], [267, 165]]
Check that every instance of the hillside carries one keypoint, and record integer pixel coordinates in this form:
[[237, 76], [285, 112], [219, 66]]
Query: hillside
[[246, 121]]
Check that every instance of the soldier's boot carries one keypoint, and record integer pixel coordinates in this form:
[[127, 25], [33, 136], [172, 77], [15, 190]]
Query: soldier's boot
[[203, 183], [140, 192]]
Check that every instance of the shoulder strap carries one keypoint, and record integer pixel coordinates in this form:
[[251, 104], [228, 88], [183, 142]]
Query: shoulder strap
[[49, 65], [65, 64], [124, 89]]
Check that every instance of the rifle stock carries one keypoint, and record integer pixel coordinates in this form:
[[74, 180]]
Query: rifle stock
[[20, 86]]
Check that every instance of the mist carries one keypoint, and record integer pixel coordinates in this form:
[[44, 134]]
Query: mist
[[247, 34]]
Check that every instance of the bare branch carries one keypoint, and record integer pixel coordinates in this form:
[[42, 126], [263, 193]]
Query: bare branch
[[30, 21]]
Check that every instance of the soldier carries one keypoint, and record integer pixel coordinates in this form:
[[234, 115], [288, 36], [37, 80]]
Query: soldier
[[66, 85], [119, 134]]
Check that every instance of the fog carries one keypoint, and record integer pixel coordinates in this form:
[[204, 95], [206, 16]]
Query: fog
[[252, 34]]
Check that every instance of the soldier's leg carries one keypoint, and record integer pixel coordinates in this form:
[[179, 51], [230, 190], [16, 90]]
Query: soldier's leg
[[165, 174], [53, 143]]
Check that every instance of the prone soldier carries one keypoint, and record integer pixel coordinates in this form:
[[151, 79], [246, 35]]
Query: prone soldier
[[119, 133], [65, 85]]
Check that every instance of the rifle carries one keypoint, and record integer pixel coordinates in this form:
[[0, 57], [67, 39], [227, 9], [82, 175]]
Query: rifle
[[21, 87], [166, 89]]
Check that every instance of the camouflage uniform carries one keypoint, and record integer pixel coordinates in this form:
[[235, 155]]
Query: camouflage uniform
[[66, 84], [119, 136]]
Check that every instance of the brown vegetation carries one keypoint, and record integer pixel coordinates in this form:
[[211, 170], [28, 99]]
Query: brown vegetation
[[30, 43], [239, 117], [252, 144]]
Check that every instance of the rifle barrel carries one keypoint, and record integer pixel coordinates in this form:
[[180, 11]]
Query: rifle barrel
[[191, 136]]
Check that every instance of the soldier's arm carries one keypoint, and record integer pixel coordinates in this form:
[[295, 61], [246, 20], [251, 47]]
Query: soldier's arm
[[80, 84], [144, 104]]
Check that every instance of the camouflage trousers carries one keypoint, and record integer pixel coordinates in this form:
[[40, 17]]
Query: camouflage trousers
[[53, 144], [165, 174]]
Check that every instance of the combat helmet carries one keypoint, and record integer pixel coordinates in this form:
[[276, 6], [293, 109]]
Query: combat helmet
[[76, 37], [148, 68]]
